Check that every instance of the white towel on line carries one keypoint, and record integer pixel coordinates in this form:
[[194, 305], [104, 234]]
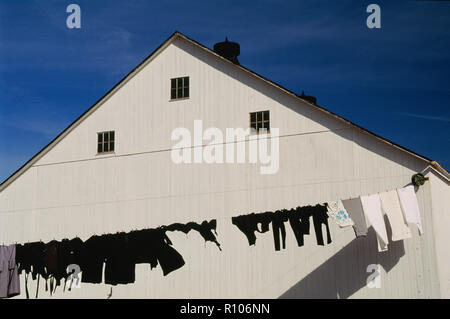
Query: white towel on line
[[391, 206], [372, 209], [410, 207]]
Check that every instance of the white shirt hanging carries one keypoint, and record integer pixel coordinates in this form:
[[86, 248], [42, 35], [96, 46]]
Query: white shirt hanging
[[410, 206], [391, 206], [372, 209]]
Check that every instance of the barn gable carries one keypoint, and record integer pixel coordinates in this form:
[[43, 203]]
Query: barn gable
[[69, 190], [146, 82]]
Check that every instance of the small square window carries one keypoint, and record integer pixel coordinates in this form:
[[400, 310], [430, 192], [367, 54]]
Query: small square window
[[260, 120], [179, 88], [105, 142]]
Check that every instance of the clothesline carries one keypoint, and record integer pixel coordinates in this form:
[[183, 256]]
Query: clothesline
[[215, 217], [204, 193], [400, 206]]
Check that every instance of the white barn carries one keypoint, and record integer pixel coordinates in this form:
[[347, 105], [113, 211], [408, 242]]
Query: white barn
[[69, 189]]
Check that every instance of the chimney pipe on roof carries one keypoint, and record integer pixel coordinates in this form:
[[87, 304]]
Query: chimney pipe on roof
[[309, 98], [229, 50]]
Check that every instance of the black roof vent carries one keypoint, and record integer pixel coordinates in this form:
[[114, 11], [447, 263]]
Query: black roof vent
[[229, 50], [310, 99]]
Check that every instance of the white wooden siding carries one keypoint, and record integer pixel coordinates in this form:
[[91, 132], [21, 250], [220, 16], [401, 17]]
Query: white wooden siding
[[71, 191]]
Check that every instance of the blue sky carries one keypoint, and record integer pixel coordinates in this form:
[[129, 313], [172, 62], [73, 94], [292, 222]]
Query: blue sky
[[393, 81]]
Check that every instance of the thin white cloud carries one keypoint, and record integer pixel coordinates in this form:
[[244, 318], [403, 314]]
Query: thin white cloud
[[44, 126], [426, 117]]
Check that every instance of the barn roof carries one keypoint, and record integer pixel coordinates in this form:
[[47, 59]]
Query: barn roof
[[433, 164]]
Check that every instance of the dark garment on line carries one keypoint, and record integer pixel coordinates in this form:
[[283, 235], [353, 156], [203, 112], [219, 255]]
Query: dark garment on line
[[69, 252], [278, 219], [92, 257], [169, 259], [139, 247], [300, 224], [50, 259], [264, 219], [119, 264], [153, 246], [320, 217], [248, 224], [299, 219], [51, 266], [205, 229], [57, 256], [30, 258], [19, 256]]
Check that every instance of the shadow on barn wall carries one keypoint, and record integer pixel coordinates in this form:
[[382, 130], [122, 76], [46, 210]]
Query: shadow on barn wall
[[346, 272]]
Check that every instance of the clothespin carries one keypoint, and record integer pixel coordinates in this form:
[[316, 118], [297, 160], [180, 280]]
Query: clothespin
[[110, 294]]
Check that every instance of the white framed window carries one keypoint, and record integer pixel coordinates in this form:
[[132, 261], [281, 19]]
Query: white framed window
[[260, 120], [179, 88], [105, 142]]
